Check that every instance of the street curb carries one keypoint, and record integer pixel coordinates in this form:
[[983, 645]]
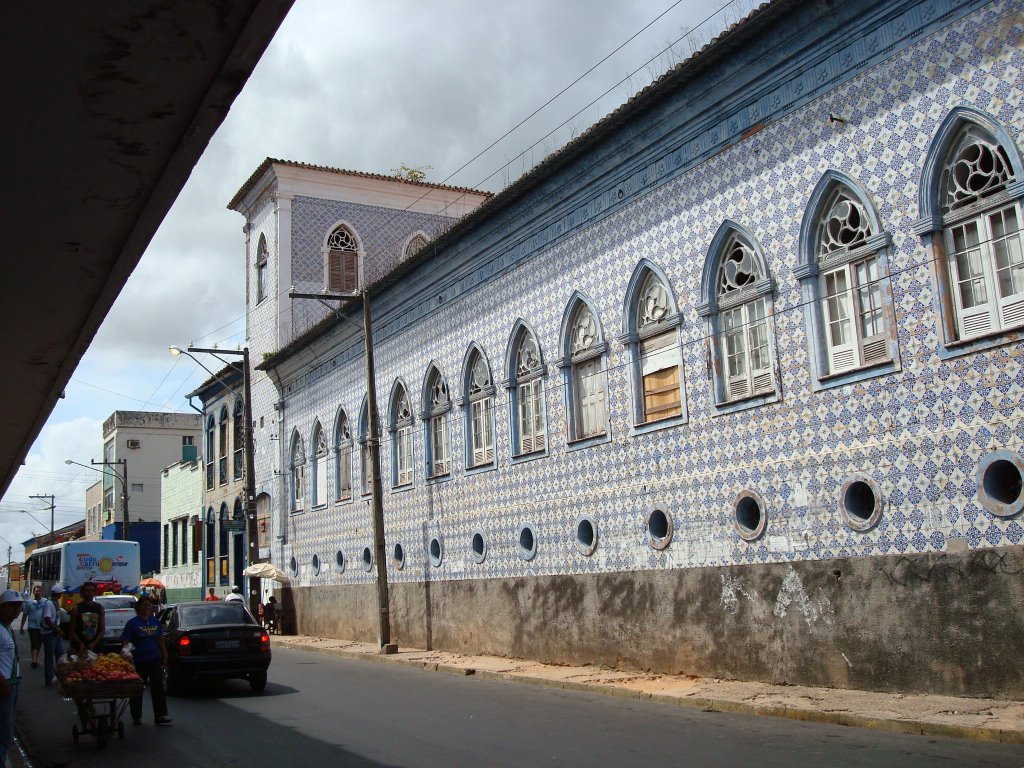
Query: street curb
[[915, 727]]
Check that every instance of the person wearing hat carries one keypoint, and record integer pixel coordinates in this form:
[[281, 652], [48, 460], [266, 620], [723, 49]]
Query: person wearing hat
[[49, 632], [235, 596], [10, 670]]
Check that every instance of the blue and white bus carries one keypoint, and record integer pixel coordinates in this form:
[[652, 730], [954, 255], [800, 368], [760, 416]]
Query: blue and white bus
[[112, 564]]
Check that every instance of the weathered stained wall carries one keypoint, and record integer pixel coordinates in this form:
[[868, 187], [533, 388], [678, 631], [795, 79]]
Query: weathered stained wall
[[948, 623]]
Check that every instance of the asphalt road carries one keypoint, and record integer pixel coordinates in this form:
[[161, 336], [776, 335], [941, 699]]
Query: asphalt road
[[318, 709]]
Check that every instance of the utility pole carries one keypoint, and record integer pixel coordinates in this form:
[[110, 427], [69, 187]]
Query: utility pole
[[125, 522], [44, 497], [373, 441]]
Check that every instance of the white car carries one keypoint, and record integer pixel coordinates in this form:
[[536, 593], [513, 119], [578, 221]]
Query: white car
[[117, 610]]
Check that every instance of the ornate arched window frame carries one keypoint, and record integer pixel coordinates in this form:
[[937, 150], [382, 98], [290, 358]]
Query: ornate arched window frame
[[238, 439], [343, 258], [400, 429], [740, 327], [525, 372], [435, 407], [319, 464], [262, 269], [843, 271], [973, 313], [413, 243], [210, 449], [222, 446], [365, 456], [296, 473], [210, 552], [652, 326], [478, 403], [342, 457], [585, 382]]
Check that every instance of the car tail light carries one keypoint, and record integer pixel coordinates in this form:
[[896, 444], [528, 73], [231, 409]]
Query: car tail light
[[185, 646], [264, 642]]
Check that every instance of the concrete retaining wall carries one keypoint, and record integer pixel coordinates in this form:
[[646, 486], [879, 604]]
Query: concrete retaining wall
[[949, 623]]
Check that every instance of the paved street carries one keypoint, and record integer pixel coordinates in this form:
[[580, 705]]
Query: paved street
[[342, 712]]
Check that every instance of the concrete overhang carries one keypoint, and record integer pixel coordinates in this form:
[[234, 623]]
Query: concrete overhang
[[109, 106]]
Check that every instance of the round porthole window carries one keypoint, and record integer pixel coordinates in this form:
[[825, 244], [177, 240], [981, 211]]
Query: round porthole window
[[315, 562], [749, 515], [527, 542], [860, 502], [293, 566], [659, 529], [339, 561], [367, 559], [1001, 483], [586, 535], [436, 552], [478, 546], [398, 556]]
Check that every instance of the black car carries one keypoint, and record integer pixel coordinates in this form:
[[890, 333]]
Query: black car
[[215, 640]]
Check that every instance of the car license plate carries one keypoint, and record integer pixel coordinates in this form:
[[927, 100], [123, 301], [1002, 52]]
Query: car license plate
[[226, 645]]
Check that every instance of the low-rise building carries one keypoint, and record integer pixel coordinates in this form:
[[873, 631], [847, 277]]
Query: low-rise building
[[181, 533]]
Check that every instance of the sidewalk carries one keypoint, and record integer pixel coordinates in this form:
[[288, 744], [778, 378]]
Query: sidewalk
[[982, 719]]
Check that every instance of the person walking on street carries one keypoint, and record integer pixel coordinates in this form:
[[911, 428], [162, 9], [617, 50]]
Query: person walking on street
[[149, 654], [87, 624], [212, 596], [10, 671], [51, 635], [32, 614], [235, 596]]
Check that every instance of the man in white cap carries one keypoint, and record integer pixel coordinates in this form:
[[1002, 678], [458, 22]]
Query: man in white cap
[[10, 671], [235, 596]]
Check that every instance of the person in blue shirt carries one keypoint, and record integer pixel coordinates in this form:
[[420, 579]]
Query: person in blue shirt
[[32, 613], [149, 654]]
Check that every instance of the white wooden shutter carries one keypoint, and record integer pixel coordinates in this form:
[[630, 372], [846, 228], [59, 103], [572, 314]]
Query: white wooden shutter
[[321, 479], [590, 390], [972, 286], [734, 352], [1004, 227], [439, 447], [526, 403], [404, 456], [345, 473], [487, 414], [836, 306]]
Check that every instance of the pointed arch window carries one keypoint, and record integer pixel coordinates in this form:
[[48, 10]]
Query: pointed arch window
[[526, 393], [225, 517], [342, 267], [297, 474], [262, 270], [400, 428], [319, 493], [222, 447], [480, 416], [652, 336], [210, 451], [415, 244], [982, 234], [238, 438], [435, 415], [342, 458], [583, 363], [845, 276], [737, 292], [365, 457]]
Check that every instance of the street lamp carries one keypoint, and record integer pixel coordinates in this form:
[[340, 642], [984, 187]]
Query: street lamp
[[249, 469], [124, 487], [26, 512]]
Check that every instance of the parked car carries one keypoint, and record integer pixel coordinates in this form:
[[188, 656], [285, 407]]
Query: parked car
[[214, 640], [117, 610]]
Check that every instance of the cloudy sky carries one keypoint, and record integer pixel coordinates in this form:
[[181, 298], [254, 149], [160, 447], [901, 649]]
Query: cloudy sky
[[343, 84]]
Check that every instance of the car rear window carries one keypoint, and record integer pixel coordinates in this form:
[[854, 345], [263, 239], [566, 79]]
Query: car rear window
[[219, 613], [116, 602]]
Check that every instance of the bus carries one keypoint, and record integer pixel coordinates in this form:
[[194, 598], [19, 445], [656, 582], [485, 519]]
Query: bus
[[112, 564]]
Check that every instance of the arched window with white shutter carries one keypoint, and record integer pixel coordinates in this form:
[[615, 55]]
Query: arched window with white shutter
[[319, 493], [342, 457], [437, 406], [526, 371], [583, 350], [844, 275], [478, 401], [297, 473], [400, 425], [972, 187], [737, 306]]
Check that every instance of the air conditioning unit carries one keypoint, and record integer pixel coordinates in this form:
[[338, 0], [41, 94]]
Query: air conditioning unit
[[134, 444]]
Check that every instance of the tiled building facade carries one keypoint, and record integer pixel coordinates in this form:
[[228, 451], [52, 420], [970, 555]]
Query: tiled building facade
[[730, 385]]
